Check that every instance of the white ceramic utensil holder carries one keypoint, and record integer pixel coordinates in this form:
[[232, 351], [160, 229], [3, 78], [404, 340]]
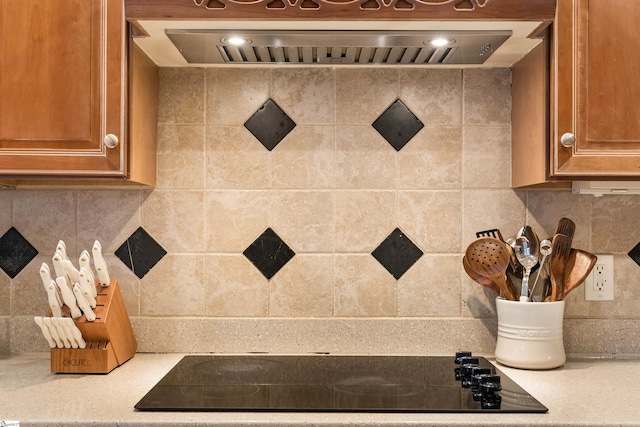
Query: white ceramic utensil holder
[[530, 334]]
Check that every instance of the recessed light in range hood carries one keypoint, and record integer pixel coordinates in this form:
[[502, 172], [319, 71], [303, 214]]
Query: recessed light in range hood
[[202, 46]]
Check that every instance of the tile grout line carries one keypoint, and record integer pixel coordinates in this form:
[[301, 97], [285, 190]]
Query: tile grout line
[[334, 200], [205, 194]]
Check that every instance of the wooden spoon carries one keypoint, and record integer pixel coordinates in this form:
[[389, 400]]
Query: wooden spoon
[[489, 257], [561, 249], [578, 267], [479, 278]]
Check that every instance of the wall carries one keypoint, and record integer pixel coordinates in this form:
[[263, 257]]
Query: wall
[[333, 189]]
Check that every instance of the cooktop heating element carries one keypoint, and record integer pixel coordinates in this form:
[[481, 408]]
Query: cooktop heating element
[[327, 383]]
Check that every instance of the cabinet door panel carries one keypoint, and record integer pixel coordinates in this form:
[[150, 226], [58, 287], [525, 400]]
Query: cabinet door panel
[[61, 81], [612, 92], [46, 80], [597, 89]]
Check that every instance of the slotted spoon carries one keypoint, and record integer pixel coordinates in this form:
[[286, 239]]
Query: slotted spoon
[[516, 267], [479, 278], [489, 257]]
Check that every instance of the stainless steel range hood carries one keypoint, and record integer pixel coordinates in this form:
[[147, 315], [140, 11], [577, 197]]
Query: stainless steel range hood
[[337, 47], [495, 44]]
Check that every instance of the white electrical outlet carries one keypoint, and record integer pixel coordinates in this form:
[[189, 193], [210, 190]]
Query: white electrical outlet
[[599, 283]]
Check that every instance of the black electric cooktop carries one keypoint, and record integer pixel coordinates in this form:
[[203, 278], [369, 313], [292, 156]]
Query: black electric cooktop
[[327, 383]]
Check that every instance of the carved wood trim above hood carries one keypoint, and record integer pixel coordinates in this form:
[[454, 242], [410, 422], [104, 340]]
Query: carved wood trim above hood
[[403, 10]]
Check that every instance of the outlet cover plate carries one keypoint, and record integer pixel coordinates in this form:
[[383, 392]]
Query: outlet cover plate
[[599, 283]]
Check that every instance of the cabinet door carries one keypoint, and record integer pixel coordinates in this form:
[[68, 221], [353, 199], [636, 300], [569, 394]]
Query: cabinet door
[[597, 89], [62, 85]]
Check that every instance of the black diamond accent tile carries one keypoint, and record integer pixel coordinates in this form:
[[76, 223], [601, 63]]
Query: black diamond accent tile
[[140, 252], [269, 253], [397, 253], [15, 252], [635, 253], [270, 124], [398, 125]]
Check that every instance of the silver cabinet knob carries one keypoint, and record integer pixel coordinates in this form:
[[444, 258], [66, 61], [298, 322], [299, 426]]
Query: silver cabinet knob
[[111, 141], [568, 140]]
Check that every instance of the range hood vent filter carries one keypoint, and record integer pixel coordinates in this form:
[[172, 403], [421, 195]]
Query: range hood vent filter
[[336, 55], [337, 47]]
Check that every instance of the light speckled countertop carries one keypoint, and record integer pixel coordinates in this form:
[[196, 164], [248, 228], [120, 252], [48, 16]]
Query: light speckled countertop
[[584, 392]]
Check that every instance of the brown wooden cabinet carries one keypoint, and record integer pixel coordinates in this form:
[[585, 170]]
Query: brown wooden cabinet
[[591, 96], [68, 81]]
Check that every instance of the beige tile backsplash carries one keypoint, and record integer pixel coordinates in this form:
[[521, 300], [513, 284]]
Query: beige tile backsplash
[[432, 160], [237, 289], [333, 189], [361, 94], [180, 148], [360, 215], [363, 288]]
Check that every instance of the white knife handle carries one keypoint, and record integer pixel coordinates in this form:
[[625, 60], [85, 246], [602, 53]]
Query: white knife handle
[[53, 331], [67, 332], [84, 305], [54, 299], [45, 275], [71, 271], [70, 326], [62, 248], [45, 331], [100, 265], [85, 262], [61, 322], [61, 333], [87, 287], [58, 267], [68, 298]]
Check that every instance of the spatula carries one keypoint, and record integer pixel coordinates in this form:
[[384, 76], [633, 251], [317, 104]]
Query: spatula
[[566, 227], [560, 251], [578, 267], [489, 257]]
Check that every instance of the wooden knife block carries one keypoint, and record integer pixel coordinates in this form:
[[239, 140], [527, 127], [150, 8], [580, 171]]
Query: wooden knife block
[[110, 339]]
